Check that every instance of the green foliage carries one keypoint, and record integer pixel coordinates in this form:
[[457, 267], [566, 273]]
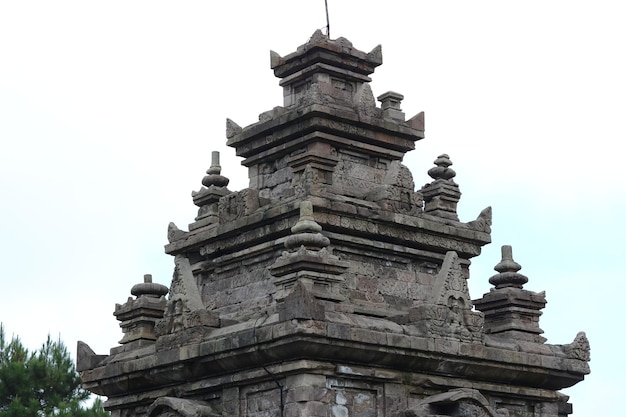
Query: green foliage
[[42, 383]]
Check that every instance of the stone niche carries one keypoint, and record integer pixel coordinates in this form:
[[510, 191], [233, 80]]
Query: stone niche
[[332, 286]]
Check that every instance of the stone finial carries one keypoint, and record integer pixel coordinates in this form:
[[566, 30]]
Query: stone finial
[[138, 316], [507, 271], [208, 197], [390, 100], [442, 195], [511, 311], [148, 288], [214, 178], [306, 232], [442, 170], [390, 104], [308, 261], [306, 222]]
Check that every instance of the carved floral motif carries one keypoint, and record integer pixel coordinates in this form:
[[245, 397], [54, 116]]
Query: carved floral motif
[[234, 206], [579, 348], [366, 104]]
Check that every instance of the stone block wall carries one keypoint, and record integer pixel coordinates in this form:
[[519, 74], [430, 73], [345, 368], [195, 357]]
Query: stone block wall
[[341, 390], [331, 287]]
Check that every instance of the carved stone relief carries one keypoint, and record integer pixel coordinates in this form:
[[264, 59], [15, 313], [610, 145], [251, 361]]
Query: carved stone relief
[[482, 222], [184, 309], [234, 206], [364, 100], [397, 192], [461, 402], [308, 179], [579, 348], [178, 407], [448, 313]]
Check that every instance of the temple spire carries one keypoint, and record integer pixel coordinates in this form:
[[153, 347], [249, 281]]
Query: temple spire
[[510, 310], [442, 195]]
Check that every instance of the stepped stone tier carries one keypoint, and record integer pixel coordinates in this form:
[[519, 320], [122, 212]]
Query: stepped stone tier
[[331, 286]]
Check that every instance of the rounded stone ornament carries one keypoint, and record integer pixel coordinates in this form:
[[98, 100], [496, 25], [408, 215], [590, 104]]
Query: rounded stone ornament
[[149, 288], [442, 170], [507, 268]]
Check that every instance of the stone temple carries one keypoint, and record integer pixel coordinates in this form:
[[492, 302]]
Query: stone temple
[[331, 287]]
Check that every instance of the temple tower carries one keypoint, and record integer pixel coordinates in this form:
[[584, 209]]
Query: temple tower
[[331, 286]]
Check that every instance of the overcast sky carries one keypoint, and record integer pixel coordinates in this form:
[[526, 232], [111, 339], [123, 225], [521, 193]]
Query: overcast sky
[[109, 112]]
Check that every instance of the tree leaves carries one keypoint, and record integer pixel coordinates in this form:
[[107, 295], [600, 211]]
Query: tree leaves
[[43, 383]]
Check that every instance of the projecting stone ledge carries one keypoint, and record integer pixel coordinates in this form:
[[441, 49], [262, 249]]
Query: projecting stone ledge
[[331, 285], [319, 48], [335, 124], [341, 339], [337, 215]]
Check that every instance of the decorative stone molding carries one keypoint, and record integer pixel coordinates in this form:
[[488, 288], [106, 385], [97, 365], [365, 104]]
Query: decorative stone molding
[[579, 348], [178, 407], [86, 358], [460, 402], [448, 313], [482, 222], [397, 193], [174, 233], [239, 204], [185, 309], [232, 129], [364, 101], [319, 158], [334, 65], [300, 304]]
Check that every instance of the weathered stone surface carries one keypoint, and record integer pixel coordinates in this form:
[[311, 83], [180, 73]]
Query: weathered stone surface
[[86, 358], [138, 317], [330, 286], [511, 311]]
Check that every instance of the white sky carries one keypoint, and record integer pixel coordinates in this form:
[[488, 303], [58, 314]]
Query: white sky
[[109, 112]]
